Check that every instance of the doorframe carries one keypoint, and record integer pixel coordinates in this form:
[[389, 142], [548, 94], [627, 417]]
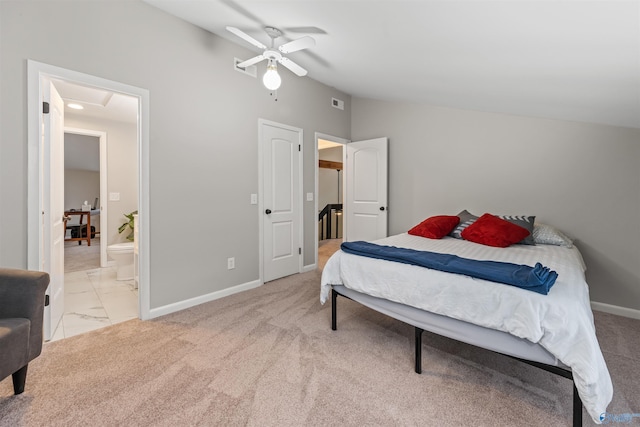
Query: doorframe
[[102, 136], [300, 131], [36, 71], [337, 140]]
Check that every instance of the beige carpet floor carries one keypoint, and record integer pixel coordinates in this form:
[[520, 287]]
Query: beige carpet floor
[[268, 357]]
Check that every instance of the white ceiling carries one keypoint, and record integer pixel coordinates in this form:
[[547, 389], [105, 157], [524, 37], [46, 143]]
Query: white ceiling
[[571, 60], [83, 152], [97, 103], [323, 143]]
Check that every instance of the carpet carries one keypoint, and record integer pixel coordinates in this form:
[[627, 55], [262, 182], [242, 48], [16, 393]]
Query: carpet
[[326, 248], [268, 357]]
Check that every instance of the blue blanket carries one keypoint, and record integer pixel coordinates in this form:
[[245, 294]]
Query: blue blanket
[[537, 279]]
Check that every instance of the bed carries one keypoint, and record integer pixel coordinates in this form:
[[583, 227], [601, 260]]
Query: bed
[[554, 332]]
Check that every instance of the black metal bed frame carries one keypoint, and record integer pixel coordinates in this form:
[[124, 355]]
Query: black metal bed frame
[[577, 403]]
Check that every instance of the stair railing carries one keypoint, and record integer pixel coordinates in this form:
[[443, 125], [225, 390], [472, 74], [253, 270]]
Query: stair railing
[[326, 213]]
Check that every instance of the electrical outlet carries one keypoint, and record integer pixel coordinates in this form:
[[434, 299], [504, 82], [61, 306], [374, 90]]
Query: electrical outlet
[[231, 263]]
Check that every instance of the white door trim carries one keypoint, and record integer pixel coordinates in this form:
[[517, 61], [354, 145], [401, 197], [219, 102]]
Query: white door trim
[[336, 139], [102, 136], [35, 227], [261, 123]]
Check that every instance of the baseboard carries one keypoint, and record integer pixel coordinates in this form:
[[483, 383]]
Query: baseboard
[[172, 308], [615, 309], [309, 267]]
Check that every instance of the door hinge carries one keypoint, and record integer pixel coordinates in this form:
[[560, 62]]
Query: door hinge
[[299, 251], [299, 149], [46, 300], [45, 108]]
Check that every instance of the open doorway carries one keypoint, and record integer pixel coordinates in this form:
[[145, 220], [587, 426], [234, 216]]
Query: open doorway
[[103, 133], [329, 195], [44, 187]]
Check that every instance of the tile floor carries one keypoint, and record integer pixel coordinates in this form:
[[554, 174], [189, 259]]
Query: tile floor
[[95, 299]]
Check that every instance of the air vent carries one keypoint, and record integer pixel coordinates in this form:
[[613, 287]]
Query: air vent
[[337, 103], [251, 70]]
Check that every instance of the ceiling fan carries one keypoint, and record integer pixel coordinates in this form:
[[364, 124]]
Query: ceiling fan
[[271, 78]]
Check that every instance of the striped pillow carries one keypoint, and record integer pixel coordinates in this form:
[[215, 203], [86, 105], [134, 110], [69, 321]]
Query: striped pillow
[[466, 219]]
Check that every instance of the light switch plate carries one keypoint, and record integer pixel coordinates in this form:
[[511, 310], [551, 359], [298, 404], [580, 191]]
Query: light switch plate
[[309, 197], [114, 197], [254, 199]]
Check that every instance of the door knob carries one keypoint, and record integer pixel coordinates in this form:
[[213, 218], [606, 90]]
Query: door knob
[[268, 211], [381, 208]]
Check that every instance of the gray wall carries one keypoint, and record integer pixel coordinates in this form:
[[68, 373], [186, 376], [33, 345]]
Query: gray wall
[[203, 157], [81, 152], [582, 178]]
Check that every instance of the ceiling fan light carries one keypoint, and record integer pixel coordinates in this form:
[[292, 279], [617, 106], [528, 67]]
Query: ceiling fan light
[[271, 78]]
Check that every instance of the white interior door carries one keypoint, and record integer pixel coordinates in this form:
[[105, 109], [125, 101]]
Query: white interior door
[[366, 190], [53, 205], [281, 148]]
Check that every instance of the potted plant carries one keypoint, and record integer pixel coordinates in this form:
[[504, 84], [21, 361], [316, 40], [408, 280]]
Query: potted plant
[[129, 224]]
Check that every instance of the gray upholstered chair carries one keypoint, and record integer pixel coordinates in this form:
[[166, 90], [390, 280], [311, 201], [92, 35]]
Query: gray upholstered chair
[[21, 313]]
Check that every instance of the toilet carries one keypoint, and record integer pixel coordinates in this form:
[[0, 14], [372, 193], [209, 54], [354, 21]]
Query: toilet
[[122, 254]]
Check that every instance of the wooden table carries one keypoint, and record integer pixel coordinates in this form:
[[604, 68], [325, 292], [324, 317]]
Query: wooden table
[[88, 225]]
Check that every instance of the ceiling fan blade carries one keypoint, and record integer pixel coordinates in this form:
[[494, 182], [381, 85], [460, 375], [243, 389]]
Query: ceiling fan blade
[[295, 68], [246, 37], [297, 44], [250, 62]]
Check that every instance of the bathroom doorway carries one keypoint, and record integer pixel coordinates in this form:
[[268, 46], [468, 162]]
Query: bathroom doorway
[[39, 252], [93, 297]]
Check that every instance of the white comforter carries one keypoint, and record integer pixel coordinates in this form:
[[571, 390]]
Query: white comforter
[[561, 322]]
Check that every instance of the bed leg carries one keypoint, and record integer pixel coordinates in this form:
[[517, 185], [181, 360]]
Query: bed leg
[[577, 408], [334, 298], [418, 340]]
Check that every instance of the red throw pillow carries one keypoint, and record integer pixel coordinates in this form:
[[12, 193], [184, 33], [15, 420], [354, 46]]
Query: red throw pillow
[[435, 227], [493, 231]]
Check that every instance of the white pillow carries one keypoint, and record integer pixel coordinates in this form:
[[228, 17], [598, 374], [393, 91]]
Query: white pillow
[[544, 234]]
